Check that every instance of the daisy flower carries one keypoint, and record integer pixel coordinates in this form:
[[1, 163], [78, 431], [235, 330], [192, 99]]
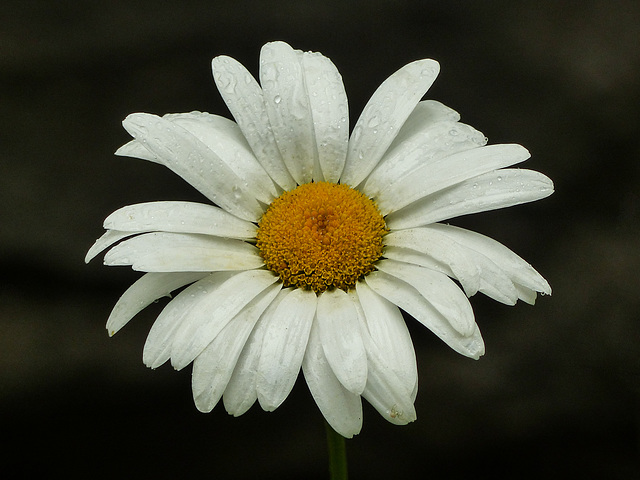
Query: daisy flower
[[315, 239]]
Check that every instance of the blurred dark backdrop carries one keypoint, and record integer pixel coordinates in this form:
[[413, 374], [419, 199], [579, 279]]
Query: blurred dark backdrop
[[557, 394]]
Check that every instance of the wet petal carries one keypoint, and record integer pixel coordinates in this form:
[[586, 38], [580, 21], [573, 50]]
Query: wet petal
[[341, 408], [438, 289], [387, 110], [157, 348], [216, 308], [285, 340], [497, 189], [212, 369], [425, 147], [287, 103], [329, 107], [440, 248], [182, 252], [136, 149], [388, 333], [518, 270], [341, 340], [146, 290], [241, 392], [413, 302], [387, 393], [245, 100], [192, 160], [180, 217], [225, 139], [448, 171], [107, 239]]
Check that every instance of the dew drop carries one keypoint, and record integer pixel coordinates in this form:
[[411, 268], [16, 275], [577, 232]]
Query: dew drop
[[277, 99]]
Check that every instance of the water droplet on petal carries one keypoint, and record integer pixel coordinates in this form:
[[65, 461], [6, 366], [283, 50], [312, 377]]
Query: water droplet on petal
[[277, 99]]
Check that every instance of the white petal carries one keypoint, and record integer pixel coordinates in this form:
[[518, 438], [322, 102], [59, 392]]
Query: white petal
[[341, 408], [440, 248], [329, 107], [497, 189], [157, 348], [146, 290], [212, 369], [180, 217], [525, 294], [183, 252], [387, 393], [514, 266], [384, 114], [429, 247], [241, 392], [341, 339], [426, 114], [389, 334], [107, 239], [438, 289], [244, 98], [283, 346], [446, 172], [210, 315], [391, 394], [287, 104], [425, 147], [136, 149], [224, 138], [414, 303], [192, 160]]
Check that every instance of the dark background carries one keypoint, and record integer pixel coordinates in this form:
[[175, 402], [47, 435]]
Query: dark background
[[557, 394]]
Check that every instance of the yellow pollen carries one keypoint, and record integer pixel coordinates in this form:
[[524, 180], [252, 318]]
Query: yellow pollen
[[320, 236]]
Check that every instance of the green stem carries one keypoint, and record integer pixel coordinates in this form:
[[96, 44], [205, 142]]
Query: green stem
[[337, 454]]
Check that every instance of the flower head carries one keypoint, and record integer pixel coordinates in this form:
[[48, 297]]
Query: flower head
[[315, 239]]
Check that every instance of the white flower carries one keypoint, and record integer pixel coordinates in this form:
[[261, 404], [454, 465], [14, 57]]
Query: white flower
[[317, 239]]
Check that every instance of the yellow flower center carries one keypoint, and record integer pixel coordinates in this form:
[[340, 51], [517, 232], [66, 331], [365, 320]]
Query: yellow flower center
[[321, 235]]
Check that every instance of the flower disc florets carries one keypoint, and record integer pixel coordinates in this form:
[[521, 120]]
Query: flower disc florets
[[320, 236]]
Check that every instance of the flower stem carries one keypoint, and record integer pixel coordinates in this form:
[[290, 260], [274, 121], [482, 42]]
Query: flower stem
[[337, 454]]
